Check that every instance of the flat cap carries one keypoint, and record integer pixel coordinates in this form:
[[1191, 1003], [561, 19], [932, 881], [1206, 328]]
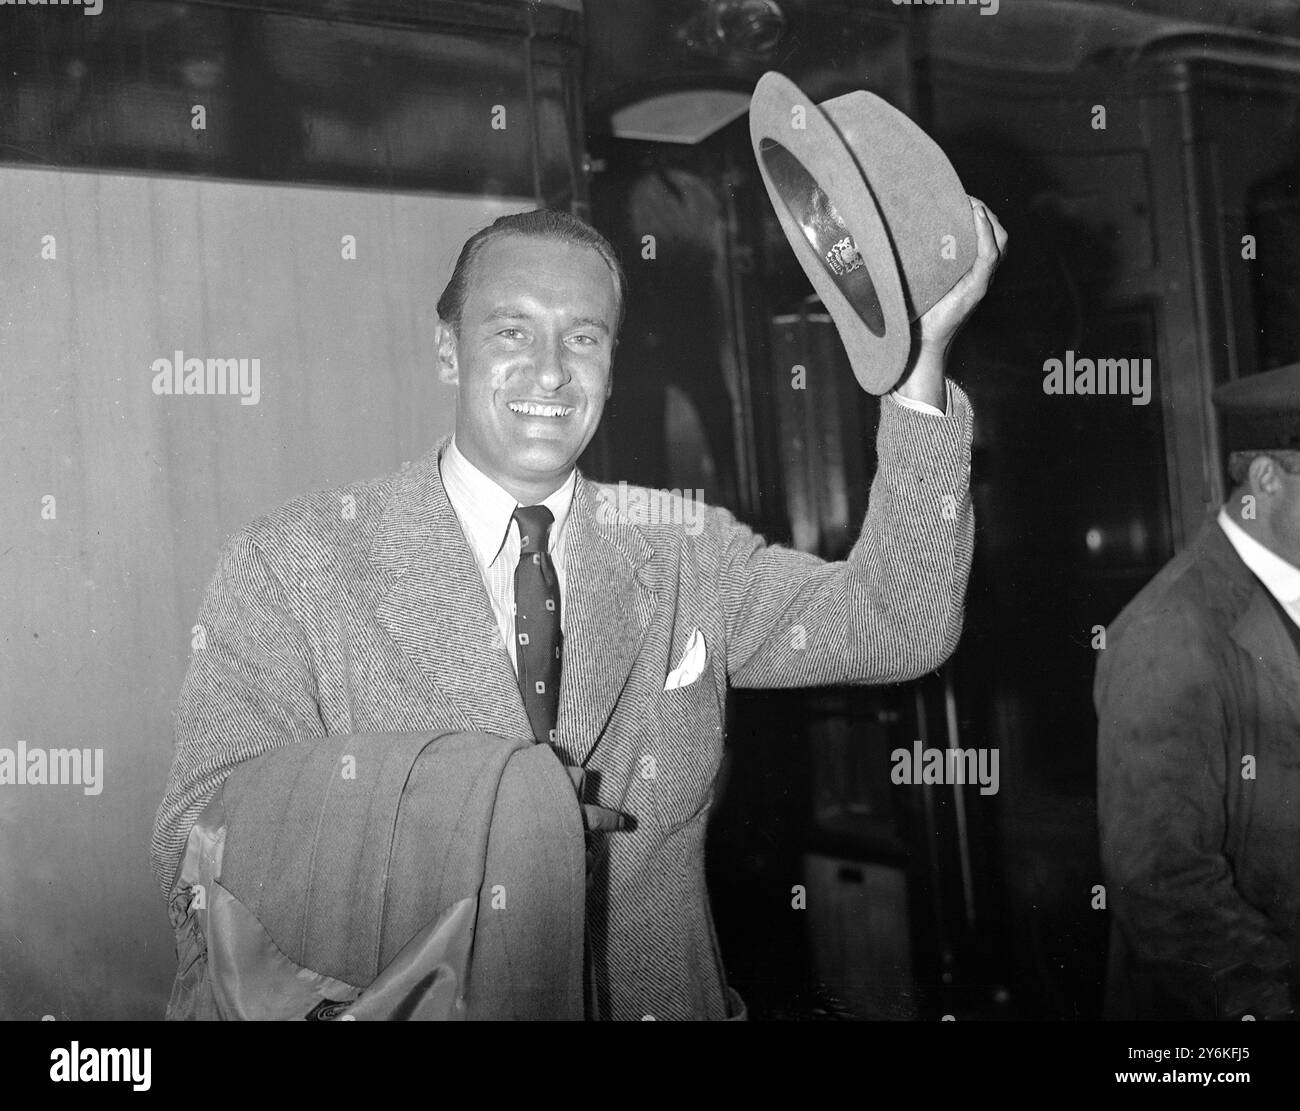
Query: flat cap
[[1261, 412]]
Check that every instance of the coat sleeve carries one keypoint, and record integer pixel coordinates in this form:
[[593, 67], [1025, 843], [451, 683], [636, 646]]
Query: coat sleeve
[[1163, 763], [249, 689], [892, 610]]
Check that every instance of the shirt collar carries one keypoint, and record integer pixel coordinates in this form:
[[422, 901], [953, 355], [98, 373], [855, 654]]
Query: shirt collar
[[1281, 578], [485, 508]]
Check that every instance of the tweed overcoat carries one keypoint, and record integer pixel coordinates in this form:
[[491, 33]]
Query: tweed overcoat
[[1198, 703], [362, 610], [367, 873]]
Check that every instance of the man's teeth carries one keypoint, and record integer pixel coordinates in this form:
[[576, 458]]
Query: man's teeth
[[532, 410]]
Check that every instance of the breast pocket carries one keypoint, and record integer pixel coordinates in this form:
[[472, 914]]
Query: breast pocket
[[684, 743]]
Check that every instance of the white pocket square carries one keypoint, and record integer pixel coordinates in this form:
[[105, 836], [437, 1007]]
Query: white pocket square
[[692, 665]]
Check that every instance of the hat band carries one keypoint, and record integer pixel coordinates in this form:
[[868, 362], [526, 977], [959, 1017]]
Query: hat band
[[815, 214]]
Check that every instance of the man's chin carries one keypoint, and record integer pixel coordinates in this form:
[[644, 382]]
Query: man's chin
[[544, 458]]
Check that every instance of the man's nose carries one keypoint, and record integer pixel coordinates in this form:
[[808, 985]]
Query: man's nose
[[549, 368]]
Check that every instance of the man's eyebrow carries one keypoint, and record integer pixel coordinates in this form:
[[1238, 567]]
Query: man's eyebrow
[[508, 312]]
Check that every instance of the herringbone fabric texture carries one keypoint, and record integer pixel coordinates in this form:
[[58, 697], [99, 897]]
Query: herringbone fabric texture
[[318, 623]]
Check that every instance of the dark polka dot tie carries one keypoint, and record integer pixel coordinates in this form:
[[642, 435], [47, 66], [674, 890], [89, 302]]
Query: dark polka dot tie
[[538, 640]]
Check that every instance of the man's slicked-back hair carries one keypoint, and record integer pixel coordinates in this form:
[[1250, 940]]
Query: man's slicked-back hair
[[541, 223]]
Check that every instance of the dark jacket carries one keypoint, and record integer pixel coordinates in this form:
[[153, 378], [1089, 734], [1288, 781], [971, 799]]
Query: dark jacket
[[1198, 703]]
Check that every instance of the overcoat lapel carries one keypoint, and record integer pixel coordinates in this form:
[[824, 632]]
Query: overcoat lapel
[[1261, 632], [1260, 628], [436, 608]]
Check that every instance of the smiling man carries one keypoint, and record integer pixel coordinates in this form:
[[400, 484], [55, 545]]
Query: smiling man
[[491, 586], [529, 343]]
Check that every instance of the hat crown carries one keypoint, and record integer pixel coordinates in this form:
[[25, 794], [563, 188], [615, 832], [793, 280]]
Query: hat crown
[[919, 194], [876, 215]]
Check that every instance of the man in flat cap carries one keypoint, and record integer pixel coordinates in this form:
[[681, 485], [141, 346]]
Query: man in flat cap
[[1198, 703]]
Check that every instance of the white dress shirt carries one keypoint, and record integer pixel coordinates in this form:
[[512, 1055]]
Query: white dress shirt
[[925, 406], [1280, 578], [486, 515]]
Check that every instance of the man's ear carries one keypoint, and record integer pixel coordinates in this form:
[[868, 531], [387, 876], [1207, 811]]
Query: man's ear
[[448, 369], [1265, 475]]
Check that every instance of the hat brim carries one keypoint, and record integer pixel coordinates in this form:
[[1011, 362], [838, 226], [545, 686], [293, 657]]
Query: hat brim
[[821, 197]]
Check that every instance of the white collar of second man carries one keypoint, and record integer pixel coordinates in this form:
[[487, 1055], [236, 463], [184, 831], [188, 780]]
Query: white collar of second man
[[1279, 577]]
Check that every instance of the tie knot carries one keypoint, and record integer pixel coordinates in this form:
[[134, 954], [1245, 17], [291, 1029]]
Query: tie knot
[[534, 524]]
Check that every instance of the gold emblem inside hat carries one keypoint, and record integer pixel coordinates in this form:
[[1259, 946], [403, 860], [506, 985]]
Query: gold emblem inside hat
[[815, 214]]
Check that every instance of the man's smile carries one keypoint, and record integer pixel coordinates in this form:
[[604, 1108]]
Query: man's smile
[[546, 409]]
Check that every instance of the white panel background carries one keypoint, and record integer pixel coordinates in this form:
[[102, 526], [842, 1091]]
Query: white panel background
[[96, 605]]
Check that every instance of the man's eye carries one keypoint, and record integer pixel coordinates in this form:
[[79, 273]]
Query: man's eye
[[511, 333], [583, 339]]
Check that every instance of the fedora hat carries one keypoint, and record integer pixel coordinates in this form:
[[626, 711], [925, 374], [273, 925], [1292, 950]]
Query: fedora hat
[[873, 209]]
